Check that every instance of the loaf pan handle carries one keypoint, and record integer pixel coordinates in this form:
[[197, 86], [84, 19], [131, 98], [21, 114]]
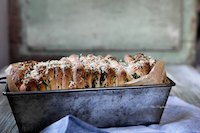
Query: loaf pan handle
[[2, 78]]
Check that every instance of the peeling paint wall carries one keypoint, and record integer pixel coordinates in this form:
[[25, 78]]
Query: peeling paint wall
[[4, 56]]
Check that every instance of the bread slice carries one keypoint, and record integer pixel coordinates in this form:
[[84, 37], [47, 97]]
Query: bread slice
[[30, 85], [17, 71], [67, 76], [78, 71], [35, 79], [88, 71], [58, 77], [51, 85], [120, 76], [138, 65]]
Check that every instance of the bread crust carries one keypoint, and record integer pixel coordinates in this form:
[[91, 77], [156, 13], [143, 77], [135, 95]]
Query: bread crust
[[78, 71], [67, 77], [16, 72], [120, 76]]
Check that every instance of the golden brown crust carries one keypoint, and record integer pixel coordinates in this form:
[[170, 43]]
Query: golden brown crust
[[78, 76], [11, 84], [86, 62], [51, 79], [138, 65], [41, 86], [88, 78], [67, 77], [17, 72], [58, 77], [111, 77], [120, 76], [140, 70], [128, 58], [31, 85], [78, 71]]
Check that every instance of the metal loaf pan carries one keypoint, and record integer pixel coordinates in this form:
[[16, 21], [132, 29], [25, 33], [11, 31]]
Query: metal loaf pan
[[101, 107]]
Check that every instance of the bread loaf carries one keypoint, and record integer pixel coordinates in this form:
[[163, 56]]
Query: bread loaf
[[75, 72]]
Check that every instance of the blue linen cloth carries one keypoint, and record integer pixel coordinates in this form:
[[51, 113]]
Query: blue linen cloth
[[178, 117]]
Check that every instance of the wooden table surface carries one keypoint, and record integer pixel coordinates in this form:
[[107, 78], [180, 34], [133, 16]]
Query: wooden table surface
[[187, 87]]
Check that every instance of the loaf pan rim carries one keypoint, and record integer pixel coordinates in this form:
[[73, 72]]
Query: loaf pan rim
[[7, 92]]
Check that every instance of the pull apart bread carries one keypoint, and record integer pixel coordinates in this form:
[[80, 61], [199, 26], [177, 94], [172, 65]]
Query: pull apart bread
[[90, 71]]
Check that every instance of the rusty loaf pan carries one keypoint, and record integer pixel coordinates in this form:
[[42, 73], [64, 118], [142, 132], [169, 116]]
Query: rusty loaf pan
[[101, 107]]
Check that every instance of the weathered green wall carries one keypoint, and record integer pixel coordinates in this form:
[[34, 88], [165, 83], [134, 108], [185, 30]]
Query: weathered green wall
[[162, 28]]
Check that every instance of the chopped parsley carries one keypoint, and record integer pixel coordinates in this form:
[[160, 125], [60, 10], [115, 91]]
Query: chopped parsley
[[135, 76], [103, 77]]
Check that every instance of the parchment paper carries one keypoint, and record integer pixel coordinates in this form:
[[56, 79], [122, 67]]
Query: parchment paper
[[157, 75]]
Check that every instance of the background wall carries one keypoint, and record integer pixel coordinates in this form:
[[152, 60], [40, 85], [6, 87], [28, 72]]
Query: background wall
[[4, 54], [102, 27]]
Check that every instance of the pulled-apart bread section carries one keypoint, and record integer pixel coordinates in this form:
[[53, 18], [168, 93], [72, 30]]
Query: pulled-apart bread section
[[78, 71]]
